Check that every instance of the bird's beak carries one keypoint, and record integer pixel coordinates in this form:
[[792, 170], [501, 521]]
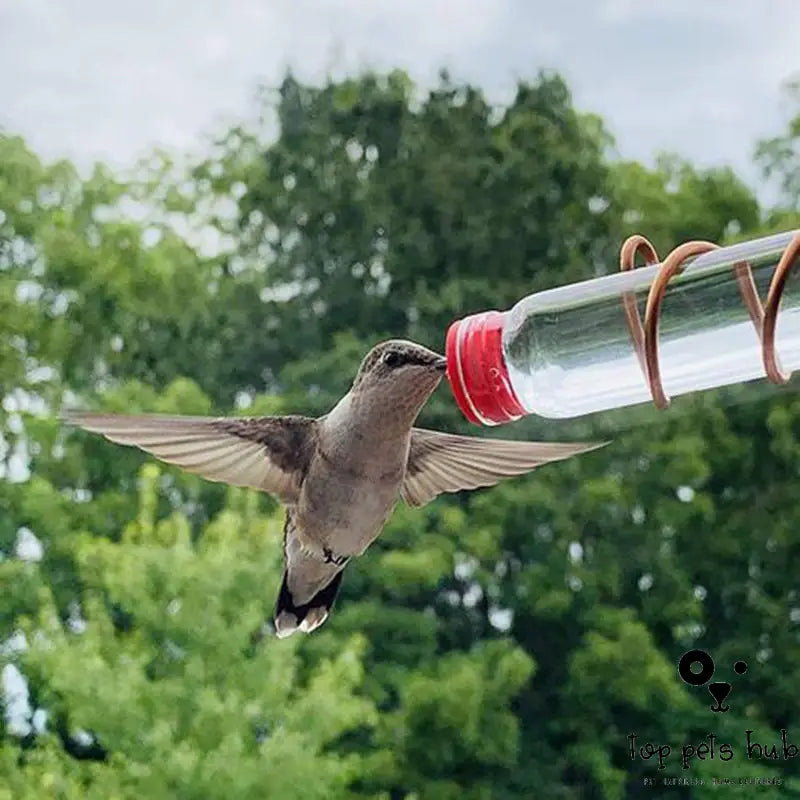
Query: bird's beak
[[440, 365]]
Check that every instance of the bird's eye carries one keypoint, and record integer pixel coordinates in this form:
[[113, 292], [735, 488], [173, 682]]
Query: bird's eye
[[392, 359]]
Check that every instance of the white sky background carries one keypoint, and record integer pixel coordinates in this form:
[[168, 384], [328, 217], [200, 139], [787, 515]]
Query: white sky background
[[92, 79]]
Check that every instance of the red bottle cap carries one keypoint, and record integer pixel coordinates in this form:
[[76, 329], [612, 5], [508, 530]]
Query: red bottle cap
[[476, 370]]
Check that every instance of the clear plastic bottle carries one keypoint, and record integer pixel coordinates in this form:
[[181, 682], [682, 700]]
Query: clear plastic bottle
[[569, 351]]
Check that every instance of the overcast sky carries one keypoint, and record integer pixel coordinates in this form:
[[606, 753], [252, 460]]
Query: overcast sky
[[93, 79]]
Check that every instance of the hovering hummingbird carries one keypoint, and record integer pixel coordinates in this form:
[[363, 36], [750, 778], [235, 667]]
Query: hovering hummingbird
[[340, 475]]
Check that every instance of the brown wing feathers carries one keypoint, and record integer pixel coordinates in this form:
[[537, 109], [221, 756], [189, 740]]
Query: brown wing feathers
[[266, 453], [443, 462]]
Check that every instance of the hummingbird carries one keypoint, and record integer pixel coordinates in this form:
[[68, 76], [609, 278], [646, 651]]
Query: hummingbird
[[339, 475]]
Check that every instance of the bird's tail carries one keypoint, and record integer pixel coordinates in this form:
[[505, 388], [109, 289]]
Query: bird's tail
[[308, 616]]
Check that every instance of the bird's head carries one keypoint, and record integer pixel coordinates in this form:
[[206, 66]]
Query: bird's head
[[398, 374]]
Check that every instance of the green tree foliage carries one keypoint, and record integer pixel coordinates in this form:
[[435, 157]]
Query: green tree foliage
[[502, 644], [166, 670], [780, 156], [678, 202]]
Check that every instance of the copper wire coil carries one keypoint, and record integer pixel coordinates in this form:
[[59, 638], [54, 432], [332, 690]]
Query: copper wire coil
[[645, 336]]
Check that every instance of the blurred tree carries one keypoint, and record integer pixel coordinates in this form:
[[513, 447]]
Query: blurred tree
[[503, 644], [369, 217], [156, 687], [780, 155], [779, 159], [677, 202]]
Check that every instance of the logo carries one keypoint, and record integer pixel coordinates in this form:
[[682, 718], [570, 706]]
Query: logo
[[719, 690], [696, 668]]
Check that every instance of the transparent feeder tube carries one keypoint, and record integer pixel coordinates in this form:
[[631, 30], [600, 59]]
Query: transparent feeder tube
[[575, 350]]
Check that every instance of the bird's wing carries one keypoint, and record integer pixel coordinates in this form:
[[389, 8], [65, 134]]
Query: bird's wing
[[266, 453], [444, 462]]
